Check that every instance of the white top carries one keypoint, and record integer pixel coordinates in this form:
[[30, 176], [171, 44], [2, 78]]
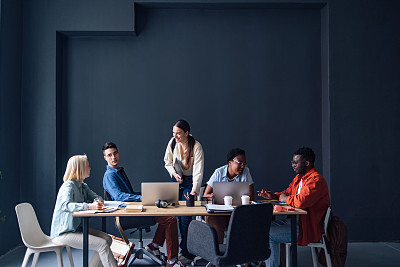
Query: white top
[[300, 186], [196, 166]]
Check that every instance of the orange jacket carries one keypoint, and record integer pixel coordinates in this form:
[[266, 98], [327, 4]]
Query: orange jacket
[[314, 198]]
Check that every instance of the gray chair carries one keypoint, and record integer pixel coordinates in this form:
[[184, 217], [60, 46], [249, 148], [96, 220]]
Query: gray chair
[[139, 224], [247, 237]]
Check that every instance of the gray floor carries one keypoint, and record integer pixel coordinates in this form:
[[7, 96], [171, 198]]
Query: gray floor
[[359, 254]]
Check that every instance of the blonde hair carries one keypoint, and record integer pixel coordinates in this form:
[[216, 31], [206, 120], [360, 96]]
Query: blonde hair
[[76, 168]]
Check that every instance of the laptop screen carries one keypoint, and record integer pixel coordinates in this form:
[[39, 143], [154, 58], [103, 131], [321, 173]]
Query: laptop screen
[[233, 189], [151, 192]]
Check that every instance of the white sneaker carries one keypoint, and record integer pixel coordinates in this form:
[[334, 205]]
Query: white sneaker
[[155, 251], [176, 263]]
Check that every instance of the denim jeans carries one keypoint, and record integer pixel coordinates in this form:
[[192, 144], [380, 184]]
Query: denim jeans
[[184, 221], [280, 232]]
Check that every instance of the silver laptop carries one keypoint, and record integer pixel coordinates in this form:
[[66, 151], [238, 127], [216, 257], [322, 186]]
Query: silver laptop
[[151, 192], [234, 189]]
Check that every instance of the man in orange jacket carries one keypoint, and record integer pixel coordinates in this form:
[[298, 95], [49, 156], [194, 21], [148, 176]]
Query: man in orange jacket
[[307, 191]]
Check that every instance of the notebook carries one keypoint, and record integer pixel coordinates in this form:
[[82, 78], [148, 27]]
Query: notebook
[[151, 192], [178, 168], [233, 189]]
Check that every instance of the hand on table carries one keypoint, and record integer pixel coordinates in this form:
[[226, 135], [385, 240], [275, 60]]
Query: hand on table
[[282, 198], [267, 195], [209, 195], [96, 205]]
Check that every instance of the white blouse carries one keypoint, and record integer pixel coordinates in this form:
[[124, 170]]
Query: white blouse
[[196, 166]]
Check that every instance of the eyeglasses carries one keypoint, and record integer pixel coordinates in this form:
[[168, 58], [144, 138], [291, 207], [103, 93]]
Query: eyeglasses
[[115, 153], [239, 162]]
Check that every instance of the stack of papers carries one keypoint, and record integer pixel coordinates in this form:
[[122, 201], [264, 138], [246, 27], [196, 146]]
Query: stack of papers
[[272, 201], [113, 204], [219, 208]]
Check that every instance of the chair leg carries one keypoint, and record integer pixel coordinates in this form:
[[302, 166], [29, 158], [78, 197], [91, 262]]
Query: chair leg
[[314, 257], [35, 259], [138, 254], [328, 258], [71, 260], [288, 254], [58, 252], [26, 257]]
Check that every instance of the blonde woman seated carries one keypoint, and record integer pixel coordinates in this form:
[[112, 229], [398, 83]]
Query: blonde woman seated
[[234, 171], [75, 195]]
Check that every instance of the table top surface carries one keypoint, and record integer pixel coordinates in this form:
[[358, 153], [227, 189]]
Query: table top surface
[[180, 210]]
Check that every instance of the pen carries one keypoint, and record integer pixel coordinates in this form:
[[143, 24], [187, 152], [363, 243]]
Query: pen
[[186, 196], [264, 191]]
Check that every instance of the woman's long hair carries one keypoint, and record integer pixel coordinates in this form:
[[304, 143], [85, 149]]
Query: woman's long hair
[[184, 125], [76, 168]]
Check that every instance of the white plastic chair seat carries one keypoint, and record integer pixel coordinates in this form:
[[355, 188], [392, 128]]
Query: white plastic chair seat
[[34, 238]]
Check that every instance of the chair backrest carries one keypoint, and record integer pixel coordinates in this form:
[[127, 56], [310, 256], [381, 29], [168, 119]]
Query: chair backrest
[[124, 223], [248, 234], [31, 233], [326, 220]]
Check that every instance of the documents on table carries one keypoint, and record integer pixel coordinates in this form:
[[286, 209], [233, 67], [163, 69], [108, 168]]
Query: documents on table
[[219, 208], [85, 212], [272, 201], [108, 206], [133, 207], [104, 209], [113, 204]]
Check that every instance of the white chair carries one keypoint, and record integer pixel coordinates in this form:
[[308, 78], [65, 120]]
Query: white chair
[[34, 238], [313, 246]]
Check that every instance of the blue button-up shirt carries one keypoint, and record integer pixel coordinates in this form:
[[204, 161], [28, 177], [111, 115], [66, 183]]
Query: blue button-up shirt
[[219, 175], [72, 196], [116, 183]]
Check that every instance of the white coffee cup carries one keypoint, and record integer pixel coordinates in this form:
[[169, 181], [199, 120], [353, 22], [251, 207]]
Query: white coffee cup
[[228, 200], [245, 200]]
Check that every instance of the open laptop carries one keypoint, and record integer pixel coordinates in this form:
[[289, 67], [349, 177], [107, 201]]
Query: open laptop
[[233, 189], [151, 192]]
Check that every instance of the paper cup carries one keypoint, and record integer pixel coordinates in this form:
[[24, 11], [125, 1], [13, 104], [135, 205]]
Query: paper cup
[[245, 200], [228, 200]]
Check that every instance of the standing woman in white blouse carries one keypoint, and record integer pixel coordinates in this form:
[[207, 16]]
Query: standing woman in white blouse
[[188, 152]]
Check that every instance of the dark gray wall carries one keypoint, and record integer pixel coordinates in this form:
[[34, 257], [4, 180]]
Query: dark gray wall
[[364, 56], [229, 86], [268, 78], [10, 120]]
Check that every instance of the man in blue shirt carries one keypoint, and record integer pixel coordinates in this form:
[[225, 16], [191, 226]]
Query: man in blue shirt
[[117, 184]]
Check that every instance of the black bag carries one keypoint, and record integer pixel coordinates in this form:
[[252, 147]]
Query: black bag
[[337, 243]]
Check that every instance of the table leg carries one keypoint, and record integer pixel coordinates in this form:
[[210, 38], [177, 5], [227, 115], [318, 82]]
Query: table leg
[[293, 224], [85, 241], [104, 224]]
